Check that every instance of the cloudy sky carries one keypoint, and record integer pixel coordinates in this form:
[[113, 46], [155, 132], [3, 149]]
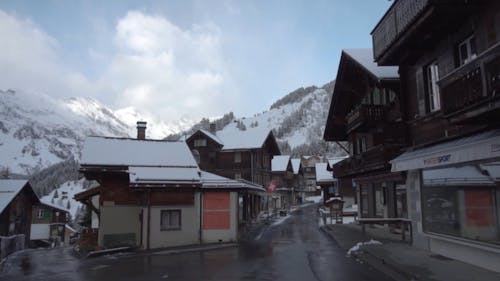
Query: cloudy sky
[[186, 58]]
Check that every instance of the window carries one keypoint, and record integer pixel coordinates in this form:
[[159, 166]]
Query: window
[[39, 213], [432, 76], [467, 50], [462, 202], [200, 142], [237, 176], [237, 157], [170, 220]]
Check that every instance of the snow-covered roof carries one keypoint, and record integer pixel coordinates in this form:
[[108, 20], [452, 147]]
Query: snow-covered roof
[[248, 139], [46, 202], [322, 174], [295, 165], [164, 175], [213, 181], [8, 190], [212, 136], [365, 58], [333, 161], [279, 163], [132, 152]]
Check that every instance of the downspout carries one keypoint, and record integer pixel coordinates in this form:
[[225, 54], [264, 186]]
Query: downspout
[[148, 235], [201, 218]]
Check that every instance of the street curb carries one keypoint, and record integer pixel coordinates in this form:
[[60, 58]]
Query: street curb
[[98, 253], [378, 263], [195, 249]]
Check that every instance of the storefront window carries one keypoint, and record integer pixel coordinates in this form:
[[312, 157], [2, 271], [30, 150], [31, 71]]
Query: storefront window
[[463, 202]]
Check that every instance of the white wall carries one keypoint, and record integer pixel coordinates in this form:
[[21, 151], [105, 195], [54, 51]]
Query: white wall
[[119, 220], [225, 235], [95, 217], [187, 235], [40, 231]]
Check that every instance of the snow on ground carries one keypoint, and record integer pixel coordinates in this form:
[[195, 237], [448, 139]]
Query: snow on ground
[[64, 200], [314, 199], [356, 247]]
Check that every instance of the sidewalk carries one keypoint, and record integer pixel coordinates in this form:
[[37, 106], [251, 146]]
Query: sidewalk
[[399, 260]]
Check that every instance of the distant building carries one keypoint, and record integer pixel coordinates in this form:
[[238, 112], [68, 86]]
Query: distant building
[[282, 177], [16, 200], [238, 154], [48, 222]]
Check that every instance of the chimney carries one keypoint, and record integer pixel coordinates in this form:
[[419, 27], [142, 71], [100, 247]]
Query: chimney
[[141, 130], [212, 128]]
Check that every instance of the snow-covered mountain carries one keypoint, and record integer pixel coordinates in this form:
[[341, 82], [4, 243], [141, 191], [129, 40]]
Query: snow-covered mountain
[[37, 131], [62, 197], [298, 121]]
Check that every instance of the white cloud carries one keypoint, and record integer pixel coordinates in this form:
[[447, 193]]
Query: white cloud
[[157, 66]]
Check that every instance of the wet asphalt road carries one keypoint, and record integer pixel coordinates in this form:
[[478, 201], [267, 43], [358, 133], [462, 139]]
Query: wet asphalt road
[[293, 250]]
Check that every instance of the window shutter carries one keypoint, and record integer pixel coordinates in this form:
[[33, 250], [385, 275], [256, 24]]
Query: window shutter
[[419, 81]]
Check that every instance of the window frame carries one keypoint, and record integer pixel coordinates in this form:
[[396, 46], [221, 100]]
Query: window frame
[[40, 213], [201, 142], [237, 157], [468, 42], [432, 92], [169, 227]]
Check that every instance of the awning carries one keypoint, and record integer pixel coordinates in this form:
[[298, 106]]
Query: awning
[[458, 176], [482, 146]]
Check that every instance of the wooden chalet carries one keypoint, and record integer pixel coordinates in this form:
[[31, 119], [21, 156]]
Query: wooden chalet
[[16, 202], [48, 222], [237, 154], [448, 53], [309, 186], [152, 194], [297, 180], [282, 177], [366, 112], [345, 191]]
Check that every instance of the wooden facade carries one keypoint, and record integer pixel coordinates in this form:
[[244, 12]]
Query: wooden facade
[[448, 53], [366, 111], [15, 218]]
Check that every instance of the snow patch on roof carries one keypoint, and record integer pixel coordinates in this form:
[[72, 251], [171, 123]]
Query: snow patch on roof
[[279, 163], [322, 174], [210, 180], [234, 138], [162, 175], [8, 190], [365, 58], [295, 165], [132, 152]]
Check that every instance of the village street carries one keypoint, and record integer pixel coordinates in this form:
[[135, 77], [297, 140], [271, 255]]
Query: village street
[[293, 250]]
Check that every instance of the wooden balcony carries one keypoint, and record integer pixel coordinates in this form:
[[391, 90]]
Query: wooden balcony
[[472, 92], [364, 115], [409, 26], [374, 159]]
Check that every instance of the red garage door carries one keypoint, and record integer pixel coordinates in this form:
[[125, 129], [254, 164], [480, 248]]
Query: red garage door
[[216, 210]]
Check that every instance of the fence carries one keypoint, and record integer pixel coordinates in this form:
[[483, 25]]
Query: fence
[[11, 244]]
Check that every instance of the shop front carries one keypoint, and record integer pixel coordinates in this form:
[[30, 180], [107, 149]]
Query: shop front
[[455, 194]]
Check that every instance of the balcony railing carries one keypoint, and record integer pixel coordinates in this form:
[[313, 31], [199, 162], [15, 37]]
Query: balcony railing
[[473, 84], [375, 158], [400, 16], [364, 114]]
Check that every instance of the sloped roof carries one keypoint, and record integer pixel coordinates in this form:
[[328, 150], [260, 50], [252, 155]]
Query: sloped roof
[[100, 151], [333, 161], [163, 175], [322, 174], [8, 190], [251, 138], [365, 58], [212, 136], [213, 181], [54, 206], [295, 165], [279, 163]]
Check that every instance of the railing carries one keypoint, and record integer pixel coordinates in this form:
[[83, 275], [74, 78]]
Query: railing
[[365, 113], [400, 16], [472, 84], [375, 158]]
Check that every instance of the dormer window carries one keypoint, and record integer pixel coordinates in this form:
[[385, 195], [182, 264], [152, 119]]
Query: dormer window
[[200, 142]]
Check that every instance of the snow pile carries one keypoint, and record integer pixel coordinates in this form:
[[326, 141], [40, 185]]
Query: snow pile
[[62, 197], [356, 247], [314, 199]]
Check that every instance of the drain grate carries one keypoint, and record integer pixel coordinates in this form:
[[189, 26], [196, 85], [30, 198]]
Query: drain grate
[[439, 257]]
